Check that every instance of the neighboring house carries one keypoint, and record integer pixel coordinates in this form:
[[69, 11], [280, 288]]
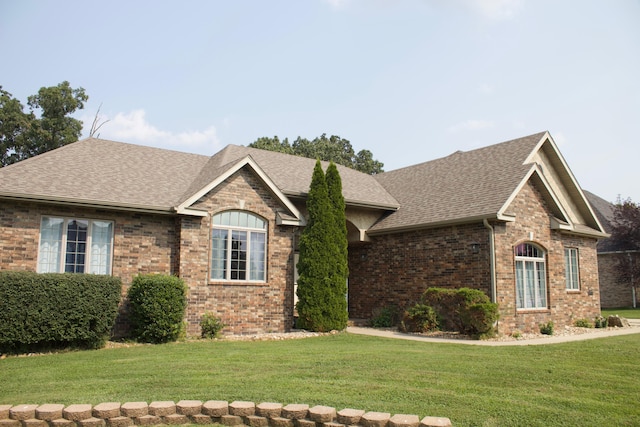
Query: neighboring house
[[509, 219], [616, 285]]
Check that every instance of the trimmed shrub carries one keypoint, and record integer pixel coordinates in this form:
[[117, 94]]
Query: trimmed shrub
[[419, 318], [52, 311], [546, 328], [386, 317], [465, 310], [601, 322], [157, 305], [211, 326]]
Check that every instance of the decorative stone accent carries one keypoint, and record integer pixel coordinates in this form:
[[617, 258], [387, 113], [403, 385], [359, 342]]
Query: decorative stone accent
[[189, 407], [269, 410], [350, 416], [230, 420], [162, 409], [79, 412], [148, 420], [121, 421], [49, 412], [106, 410], [175, 419], [256, 421], [322, 414], [201, 419], [375, 419], [134, 409], [4, 411], [402, 420], [281, 422], [23, 412], [242, 409], [236, 414], [295, 411], [91, 422], [435, 422], [215, 408]]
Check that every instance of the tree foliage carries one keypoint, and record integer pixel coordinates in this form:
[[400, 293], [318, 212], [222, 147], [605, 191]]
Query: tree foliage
[[625, 229], [333, 148], [322, 266], [24, 135]]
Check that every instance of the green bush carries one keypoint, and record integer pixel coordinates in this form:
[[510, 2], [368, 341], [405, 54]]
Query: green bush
[[157, 304], [52, 311], [465, 310], [419, 318], [601, 322], [211, 325], [546, 328], [583, 323], [386, 317]]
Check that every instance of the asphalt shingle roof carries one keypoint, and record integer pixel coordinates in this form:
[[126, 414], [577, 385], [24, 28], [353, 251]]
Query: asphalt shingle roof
[[464, 185]]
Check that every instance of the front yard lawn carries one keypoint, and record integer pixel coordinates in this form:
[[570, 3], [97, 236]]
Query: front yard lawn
[[584, 383], [627, 312]]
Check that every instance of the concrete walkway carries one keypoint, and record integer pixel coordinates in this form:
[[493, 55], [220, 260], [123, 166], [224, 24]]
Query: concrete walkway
[[596, 333]]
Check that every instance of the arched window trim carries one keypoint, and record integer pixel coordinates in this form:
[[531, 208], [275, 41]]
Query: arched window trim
[[531, 277], [238, 247]]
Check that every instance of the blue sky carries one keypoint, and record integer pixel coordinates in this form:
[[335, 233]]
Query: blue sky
[[410, 80]]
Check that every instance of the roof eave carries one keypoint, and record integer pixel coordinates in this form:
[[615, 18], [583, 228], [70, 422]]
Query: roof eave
[[349, 202], [436, 224], [165, 210]]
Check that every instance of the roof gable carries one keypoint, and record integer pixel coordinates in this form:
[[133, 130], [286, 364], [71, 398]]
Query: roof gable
[[481, 184]]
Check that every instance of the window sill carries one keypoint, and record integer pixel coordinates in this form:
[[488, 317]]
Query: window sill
[[573, 291], [532, 310], [236, 283]]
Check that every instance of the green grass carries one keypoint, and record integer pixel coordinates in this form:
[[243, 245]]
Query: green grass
[[626, 312], [586, 383]]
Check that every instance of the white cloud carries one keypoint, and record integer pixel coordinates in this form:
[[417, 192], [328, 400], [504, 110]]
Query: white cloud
[[471, 125], [497, 10], [133, 127]]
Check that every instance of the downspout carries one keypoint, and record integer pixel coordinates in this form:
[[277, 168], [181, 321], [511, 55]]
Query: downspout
[[492, 254]]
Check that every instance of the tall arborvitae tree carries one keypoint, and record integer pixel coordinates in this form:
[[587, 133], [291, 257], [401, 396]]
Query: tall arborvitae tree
[[320, 308], [340, 248]]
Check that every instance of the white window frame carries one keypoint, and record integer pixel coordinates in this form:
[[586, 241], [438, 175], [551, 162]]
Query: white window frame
[[530, 277], [60, 250], [226, 227], [572, 268]]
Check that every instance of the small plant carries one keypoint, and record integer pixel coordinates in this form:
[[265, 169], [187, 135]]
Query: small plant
[[386, 318], [601, 322], [546, 328], [516, 334], [583, 323], [211, 326]]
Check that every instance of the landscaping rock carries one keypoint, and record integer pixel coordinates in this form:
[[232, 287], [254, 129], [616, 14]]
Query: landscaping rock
[[4, 412], [435, 422], [147, 420], [5, 422], [295, 411], [617, 322], [350, 416], [322, 414], [402, 420], [242, 409], [162, 409], [92, 422], [134, 409], [23, 412], [375, 419], [188, 407], [215, 408], [80, 412], [122, 421], [201, 419], [269, 410], [106, 410], [49, 412], [175, 419]]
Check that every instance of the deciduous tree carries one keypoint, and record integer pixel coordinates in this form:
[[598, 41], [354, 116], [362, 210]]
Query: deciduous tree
[[625, 229]]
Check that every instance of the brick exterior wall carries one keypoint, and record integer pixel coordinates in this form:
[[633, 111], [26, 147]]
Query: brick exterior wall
[[615, 291], [394, 270], [533, 225], [245, 307], [147, 243]]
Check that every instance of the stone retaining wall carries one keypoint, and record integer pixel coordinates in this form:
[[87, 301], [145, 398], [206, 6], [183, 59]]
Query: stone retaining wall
[[238, 413]]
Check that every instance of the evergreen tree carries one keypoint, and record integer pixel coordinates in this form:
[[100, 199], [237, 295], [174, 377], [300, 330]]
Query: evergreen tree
[[319, 309], [339, 247]]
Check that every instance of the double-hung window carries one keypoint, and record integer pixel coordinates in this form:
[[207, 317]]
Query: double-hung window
[[571, 269], [531, 288], [74, 245], [238, 247]]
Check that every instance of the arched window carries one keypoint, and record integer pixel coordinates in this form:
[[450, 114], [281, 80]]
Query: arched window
[[531, 278], [238, 246]]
